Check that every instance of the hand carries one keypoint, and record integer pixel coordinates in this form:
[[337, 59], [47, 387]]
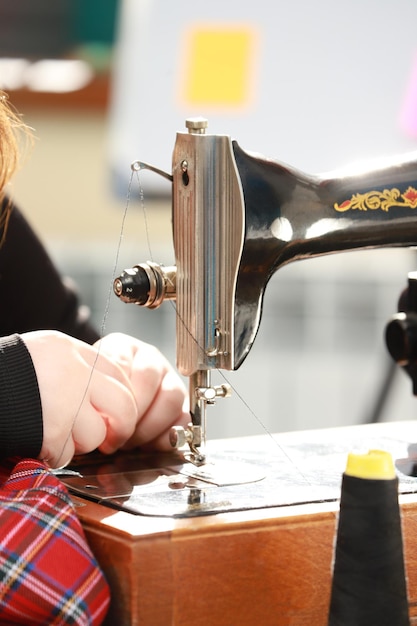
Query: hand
[[160, 394], [87, 399]]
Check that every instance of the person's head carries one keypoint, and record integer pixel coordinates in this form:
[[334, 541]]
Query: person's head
[[10, 127], [9, 123]]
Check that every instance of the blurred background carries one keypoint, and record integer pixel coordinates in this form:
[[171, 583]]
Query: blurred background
[[316, 85]]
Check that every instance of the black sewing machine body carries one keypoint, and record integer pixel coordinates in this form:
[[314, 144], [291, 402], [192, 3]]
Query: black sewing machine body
[[291, 216]]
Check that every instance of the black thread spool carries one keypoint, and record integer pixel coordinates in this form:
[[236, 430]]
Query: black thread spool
[[369, 586]]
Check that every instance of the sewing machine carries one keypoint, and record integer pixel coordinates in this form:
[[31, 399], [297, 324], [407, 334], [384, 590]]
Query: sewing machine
[[237, 218], [245, 516]]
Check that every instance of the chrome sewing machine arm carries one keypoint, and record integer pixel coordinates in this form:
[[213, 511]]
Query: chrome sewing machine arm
[[208, 232], [237, 218]]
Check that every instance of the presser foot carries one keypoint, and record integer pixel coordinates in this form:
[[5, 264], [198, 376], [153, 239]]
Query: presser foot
[[195, 458], [191, 436]]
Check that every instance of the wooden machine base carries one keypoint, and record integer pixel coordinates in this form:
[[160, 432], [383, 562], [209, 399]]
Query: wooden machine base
[[263, 566]]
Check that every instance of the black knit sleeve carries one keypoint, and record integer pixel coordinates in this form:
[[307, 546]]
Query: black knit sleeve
[[21, 426], [33, 295]]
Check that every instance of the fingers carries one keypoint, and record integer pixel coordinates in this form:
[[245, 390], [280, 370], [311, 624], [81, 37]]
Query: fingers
[[99, 361], [58, 455], [111, 396], [122, 392], [168, 408], [89, 429], [108, 417], [159, 392], [94, 405], [117, 407]]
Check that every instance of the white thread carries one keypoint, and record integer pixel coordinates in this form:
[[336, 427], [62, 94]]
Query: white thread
[[105, 315], [104, 318], [235, 391]]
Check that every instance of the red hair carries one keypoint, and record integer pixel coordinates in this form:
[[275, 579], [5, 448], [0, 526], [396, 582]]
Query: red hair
[[11, 127]]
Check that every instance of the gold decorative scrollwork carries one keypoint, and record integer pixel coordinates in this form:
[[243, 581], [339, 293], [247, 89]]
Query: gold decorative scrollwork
[[384, 200]]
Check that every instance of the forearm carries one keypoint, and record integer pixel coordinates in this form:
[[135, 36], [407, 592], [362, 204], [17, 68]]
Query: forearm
[[21, 426]]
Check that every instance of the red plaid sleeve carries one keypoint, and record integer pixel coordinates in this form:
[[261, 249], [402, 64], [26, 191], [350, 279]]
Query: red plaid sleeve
[[48, 574]]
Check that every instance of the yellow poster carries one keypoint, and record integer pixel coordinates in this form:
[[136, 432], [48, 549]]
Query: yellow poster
[[219, 65]]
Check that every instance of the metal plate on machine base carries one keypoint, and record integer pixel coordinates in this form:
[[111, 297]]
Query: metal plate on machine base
[[241, 474], [171, 489]]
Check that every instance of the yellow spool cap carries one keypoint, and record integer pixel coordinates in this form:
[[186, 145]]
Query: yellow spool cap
[[376, 464]]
